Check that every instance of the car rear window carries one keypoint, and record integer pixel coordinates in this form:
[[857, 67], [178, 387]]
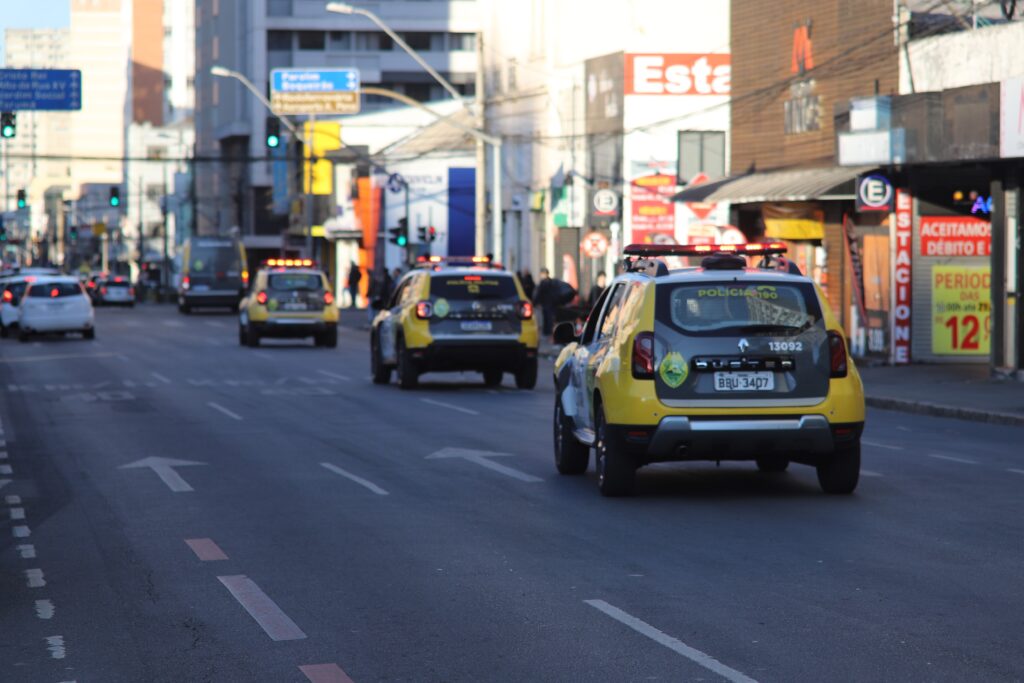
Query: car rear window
[[473, 287], [293, 281], [17, 289], [54, 290], [747, 307], [113, 283], [215, 259]]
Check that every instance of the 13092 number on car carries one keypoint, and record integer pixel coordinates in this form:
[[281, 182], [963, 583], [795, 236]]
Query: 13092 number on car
[[786, 345]]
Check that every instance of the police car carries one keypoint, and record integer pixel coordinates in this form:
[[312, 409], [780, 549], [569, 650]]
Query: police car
[[288, 298], [719, 362], [456, 315]]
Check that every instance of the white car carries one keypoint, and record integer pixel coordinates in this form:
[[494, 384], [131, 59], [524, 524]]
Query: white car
[[115, 290], [55, 304], [11, 290]]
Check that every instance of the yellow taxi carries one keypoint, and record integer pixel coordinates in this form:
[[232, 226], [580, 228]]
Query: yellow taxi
[[450, 315], [718, 362], [288, 298]]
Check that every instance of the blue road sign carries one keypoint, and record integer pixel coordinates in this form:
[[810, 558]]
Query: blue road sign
[[314, 80], [396, 183], [40, 89]]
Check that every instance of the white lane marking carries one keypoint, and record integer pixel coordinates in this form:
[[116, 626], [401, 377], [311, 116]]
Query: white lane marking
[[27, 551], [205, 549], [55, 644], [482, 458], [34, 578], [264, 356], [21, 531], [359, 480], [215, 323], [904, 429], [13, 500], [17, 513], [164, 468], [875, 444], [1015, 471], [870, 473], [217, 406], [951, 458], [335, 375], [158, 376], [677, 646], [6, 469], [132, 323], [432, 402], [174, 323], [3, 455], [37, 345], [45, 609], [213, 342], [4, 482], [260, 607], [65, 356], [324, 673]]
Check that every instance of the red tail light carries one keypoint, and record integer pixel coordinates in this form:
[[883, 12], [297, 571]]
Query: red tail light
[[328, 298], [185, 282], [103, 291], [643, 355], [525, 310], [54, 293], [261, 298], [424, 310], [837, 354], [8, 296], [118, 279]]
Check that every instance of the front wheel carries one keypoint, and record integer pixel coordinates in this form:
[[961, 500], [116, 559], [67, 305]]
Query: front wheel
[[408, 374], [571, 456], [23, 336], [526, 375], [615, 473], [252, 337], [381, 372], [840, 472], [330, 338], [89, 333]]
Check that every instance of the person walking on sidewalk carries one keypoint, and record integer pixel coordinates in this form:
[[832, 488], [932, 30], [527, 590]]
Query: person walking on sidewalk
[[528, 284], [354, 277], [544, 298], [597, 290]]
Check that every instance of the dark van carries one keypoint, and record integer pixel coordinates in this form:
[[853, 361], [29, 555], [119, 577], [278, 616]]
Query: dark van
[[214, 274]]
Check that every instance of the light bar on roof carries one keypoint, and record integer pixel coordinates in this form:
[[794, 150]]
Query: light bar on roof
[[289, 263], [653, 250]]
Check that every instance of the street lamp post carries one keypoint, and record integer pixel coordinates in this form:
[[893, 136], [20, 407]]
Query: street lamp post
[[497, 236]]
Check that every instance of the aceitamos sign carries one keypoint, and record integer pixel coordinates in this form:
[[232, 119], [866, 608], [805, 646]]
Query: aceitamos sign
[[955, 236]]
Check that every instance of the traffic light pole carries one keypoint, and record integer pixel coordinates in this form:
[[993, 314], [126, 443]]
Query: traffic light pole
[[409, 260]]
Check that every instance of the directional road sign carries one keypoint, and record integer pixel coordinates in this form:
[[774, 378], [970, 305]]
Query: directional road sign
[[314, 91], [40, 89]]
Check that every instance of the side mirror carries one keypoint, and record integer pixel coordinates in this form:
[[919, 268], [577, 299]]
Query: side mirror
[[565, 333]]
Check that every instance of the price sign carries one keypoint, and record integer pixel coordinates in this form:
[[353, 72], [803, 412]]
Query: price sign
[[961, 310]]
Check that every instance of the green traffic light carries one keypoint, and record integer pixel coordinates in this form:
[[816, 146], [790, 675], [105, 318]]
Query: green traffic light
[[273, 141], [21, 204], [7, 132], [401, 241], [115, 201]]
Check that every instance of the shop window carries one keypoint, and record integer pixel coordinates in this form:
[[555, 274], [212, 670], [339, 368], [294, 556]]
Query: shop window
[[701, 151], [311, 40]]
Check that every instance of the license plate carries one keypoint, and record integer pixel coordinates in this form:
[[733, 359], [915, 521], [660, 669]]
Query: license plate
[[294, 306], [744, 381], [476, 325], [200, 288]]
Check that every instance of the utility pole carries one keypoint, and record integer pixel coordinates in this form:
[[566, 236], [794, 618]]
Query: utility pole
[[481, 150], [165, 268]]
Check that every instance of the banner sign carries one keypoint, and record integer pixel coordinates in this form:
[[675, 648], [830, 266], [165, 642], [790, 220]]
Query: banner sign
[[955, 236], [652, 211], [857, 266], [961, 310], [901, 278]]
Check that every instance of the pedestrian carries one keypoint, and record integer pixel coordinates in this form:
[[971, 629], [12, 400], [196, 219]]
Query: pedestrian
[[597, 290], [354, 277], [543, 298], [528, 284]]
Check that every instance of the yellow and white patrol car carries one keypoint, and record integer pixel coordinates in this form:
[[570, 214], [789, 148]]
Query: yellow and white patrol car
[[720, 362], [288, 298], [456, 315]]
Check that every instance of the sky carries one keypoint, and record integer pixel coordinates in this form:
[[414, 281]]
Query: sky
[[33, 14]]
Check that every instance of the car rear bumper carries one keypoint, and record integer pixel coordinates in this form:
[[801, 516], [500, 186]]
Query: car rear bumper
[[212, 298], [56, 324], [291, 327], [473, 354], [736, 438]]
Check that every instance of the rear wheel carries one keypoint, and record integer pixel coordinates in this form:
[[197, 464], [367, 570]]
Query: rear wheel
[[242, 338], [492, 377], [3, 331], [330, 338], [408, 374], [769, 463], [184, 308], [526, 375], [381, 372], [615, 473], [571, 457], [252, 337], [841, 472]]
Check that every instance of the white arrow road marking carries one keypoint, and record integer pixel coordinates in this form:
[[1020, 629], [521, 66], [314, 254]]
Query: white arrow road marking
[[27, 551], [449, 406], [359, 480], [45, 609], [260, 607], [481, 458], [164, 468], [677, 646]]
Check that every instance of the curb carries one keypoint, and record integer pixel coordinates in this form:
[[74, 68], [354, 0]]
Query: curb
[[938, 410]]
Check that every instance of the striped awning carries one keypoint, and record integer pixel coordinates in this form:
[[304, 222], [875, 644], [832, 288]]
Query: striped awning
[[798, 185]]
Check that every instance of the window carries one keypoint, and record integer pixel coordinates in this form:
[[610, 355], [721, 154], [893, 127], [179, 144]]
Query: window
[[743, 307], [367, 41], [416, 40], [279, 41], [54, 290], [279, 8], [340, 40], [295, 281], [312, 40], [418, 91], [473, 287], [462, 42], [611, 313], [591, 325], [701, 151]]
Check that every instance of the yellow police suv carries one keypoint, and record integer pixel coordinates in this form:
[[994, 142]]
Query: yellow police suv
[[720, 362], [288, 298], [456, 314]]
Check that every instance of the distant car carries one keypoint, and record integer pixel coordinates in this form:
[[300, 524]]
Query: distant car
[[55, 305], [214, 273], [92, 286], [11, 290], [289, 298], [116, 291]]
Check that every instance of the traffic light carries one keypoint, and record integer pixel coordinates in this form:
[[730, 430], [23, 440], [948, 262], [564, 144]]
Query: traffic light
[[22, 200], [273, 132], [421, 233], [8, 124], [115, 196], [431, 234], [73, 234], [400, 235]]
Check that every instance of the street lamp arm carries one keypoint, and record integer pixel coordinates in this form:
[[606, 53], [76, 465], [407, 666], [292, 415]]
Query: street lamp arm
[[228, 73], [405, 99]]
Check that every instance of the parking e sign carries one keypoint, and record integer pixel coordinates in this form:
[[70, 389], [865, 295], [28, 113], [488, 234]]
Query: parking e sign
[[874, 193]]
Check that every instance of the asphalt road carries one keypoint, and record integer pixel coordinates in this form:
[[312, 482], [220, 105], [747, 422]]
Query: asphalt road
[[320, 528]]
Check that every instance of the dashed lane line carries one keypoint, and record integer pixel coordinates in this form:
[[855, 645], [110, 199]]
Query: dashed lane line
[[205, 549], [61, 356], [674, 644], [449, 406], [174, 323], [324, 673], [870, 473], [359, 480], [334, 375], [215, 323], [951, 458], [1015, 471], [875, 444], [222, 409], [274, 622], [160, 378]]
